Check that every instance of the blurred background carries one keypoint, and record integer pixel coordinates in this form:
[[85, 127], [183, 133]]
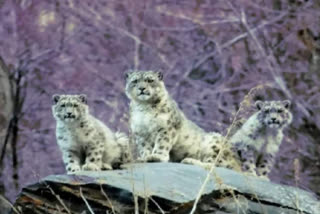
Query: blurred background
[[212, 52]]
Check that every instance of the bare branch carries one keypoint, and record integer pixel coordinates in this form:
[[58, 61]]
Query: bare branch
[[271, 61], [228, 44], [136, 55]]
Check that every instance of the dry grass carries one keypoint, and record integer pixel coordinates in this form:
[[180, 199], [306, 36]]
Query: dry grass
[[106, 196], [202, 188], [14, 210], [58, 198], [241, 115], [85, 201]]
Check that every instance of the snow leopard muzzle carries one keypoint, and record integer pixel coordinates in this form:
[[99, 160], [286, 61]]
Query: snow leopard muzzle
[[69, 116]]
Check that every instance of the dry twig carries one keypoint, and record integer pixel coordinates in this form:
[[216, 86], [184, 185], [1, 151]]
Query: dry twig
[[58, 198], [106, 196], [86, 202]]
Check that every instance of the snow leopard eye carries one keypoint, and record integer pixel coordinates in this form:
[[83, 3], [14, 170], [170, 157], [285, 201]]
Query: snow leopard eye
[[280, 110], [266, 111], [63, 105], [150, 80], [134, 81], [75, 105]]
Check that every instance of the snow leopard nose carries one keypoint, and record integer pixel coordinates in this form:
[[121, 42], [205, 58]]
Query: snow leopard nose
[[69, 114], [142, 89], [273, 119]]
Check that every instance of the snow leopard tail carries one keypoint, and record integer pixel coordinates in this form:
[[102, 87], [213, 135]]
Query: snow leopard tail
[[123, 140]]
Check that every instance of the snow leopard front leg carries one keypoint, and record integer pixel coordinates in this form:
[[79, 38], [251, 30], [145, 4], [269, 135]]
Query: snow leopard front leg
[[163, 144], [94, 152], [248, 159], [144, 146], [264, 166], [70, 155], [71, 160]]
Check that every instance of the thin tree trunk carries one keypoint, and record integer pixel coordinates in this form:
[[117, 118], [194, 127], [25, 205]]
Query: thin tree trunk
[[6, 111]]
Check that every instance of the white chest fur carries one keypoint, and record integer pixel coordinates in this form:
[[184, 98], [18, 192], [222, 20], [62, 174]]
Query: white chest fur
[[146, 121], [269, 142], [74, 136]]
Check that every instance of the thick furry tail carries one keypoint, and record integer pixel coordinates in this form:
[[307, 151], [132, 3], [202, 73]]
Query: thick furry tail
[[123, 140]]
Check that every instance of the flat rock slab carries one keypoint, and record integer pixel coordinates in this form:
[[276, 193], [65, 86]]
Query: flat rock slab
[[162, 188]]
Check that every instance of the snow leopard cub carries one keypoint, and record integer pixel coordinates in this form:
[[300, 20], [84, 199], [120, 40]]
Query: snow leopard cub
[[259, 139], [85, 142]]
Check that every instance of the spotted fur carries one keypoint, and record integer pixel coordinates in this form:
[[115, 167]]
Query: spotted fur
[[161, 130], [86, 143], [258, 140]]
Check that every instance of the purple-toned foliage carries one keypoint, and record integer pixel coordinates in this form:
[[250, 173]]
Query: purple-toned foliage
[[211, 52]]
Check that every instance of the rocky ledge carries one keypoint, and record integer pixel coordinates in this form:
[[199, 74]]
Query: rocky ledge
[[162, 188]]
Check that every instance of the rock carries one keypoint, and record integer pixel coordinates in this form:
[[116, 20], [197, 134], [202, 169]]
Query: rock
[[164, 188]]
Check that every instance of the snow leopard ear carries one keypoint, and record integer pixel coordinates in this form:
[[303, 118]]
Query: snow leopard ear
[[259, 104], [286, 103], [83, 98], [55, 98], [160, 75], [128, 73]]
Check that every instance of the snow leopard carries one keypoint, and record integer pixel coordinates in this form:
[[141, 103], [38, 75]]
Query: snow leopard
[[85, 142], [257, 142], [161, 130]]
